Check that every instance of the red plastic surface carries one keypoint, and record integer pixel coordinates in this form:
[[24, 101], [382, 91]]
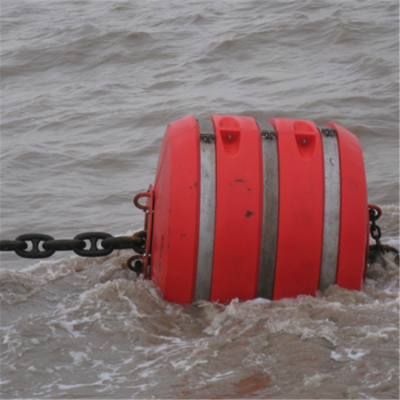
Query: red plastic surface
[[239, 205], [301, 208], [176, 212], [353, 212], [239, 200]]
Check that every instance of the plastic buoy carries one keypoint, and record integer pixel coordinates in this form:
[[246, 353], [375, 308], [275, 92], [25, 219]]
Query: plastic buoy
[[243, 209]]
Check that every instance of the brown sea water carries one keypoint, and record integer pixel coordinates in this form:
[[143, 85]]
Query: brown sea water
[[88, 88]]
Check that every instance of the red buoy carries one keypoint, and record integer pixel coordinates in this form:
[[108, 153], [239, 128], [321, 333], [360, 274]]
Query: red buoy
[[243, 209]]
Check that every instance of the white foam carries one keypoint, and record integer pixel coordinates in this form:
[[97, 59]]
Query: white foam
[[355, 354], [316, 380], [148, 363], [69, 327], [338, 357], [258, 301], [219, 376], [186, 365], [77, 385], [381, 334], [97, 363], [78, 357], [348, 354]]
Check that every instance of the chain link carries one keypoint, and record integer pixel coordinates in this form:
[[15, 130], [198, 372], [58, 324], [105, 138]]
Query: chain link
[[374, 214], [137, 266], [35, 251], [12, 245], [377, 249], [88, 244]]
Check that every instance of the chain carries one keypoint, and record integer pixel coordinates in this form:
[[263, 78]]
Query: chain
[[375, 250], [85, 244], [374, 214], [137, 262]]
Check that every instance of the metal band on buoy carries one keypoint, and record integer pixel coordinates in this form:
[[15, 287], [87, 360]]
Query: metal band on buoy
[[331, 209], [207, 211], [269, 238]]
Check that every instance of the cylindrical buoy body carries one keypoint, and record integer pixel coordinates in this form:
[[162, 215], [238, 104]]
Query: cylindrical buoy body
[[244, 209]]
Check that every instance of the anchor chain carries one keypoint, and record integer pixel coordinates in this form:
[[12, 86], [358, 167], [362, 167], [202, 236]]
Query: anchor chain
[[88, 244], [375, 213]]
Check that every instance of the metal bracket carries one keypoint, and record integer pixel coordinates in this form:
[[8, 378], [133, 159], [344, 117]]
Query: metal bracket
[[207, 138], [207, 134], [206, 128], [268, 134], [267, 131], [148, 225], [328, 131]]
